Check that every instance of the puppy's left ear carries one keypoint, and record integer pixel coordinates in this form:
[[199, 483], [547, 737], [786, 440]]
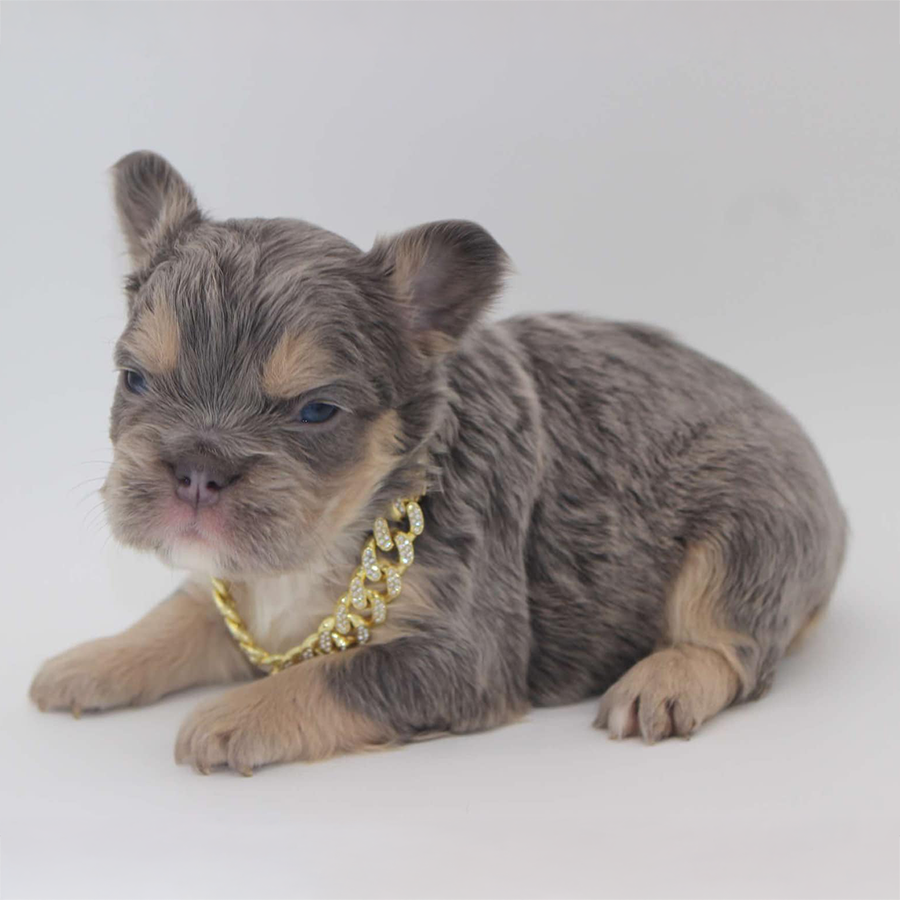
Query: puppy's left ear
[[445, 274]]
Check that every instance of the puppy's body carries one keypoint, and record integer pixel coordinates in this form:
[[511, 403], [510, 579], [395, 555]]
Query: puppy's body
[[607, 511], [580, 461]]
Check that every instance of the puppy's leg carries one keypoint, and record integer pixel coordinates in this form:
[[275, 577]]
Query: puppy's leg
[[179, 644], [291, 715], [668, 693], [373, 696], [702, 666]]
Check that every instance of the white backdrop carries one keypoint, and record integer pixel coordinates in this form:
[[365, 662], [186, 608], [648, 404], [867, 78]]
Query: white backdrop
[[729, 172]]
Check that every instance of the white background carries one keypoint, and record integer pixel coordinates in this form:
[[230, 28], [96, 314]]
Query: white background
[[729, 172]]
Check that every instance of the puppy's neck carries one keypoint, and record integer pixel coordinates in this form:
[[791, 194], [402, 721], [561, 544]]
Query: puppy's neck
[[281, 610]]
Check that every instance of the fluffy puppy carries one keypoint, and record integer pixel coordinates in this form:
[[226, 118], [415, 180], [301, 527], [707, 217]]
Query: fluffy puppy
[[607, 511]]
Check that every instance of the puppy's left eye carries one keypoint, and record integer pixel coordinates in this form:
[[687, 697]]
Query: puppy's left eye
[[316, 412]]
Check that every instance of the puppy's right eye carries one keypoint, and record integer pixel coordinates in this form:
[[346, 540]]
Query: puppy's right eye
[[135, 382]]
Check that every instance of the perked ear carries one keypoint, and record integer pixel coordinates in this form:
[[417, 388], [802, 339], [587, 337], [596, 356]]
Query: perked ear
[[445, 274], [153, 203]]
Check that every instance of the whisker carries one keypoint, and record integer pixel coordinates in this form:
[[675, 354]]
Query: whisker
[[86, 481], [90, 495], [91, 516]]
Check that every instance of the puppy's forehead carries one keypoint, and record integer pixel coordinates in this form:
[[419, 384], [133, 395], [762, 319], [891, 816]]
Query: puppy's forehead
[[260, 295]]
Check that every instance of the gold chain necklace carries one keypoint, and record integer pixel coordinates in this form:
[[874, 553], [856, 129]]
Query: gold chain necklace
[[356, 612]]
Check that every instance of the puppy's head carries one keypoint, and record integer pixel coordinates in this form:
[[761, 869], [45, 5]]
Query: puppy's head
[[277, 385]]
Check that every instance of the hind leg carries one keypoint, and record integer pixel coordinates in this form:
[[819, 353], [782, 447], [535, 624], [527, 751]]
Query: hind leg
[[669, 693], [725, 629], [769, 538], [700, 667], [717, 647]]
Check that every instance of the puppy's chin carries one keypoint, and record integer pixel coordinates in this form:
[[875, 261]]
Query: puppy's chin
[[193, 555], [199, 553], [200, 544], [181, 537], [203, 542]]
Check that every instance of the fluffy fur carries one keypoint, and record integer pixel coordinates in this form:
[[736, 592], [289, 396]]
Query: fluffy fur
[[608, 512]]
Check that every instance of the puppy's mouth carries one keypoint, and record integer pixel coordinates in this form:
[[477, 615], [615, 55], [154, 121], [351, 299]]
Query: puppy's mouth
[[187, 530], [238, 535], [192, 534]]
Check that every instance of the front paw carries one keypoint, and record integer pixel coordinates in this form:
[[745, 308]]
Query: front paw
[[248, 727], [100, 674]]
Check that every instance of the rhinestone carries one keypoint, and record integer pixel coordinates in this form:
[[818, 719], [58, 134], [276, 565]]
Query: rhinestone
[[362, 634], [379, 611], [308, 653], [394, 585], [325, 642], [342, 620], [370, 562], [357, 593], [416, 519], [383, 535], [404, 548]]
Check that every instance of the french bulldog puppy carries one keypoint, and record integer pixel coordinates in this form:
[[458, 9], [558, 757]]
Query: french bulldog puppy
[[607, 511]]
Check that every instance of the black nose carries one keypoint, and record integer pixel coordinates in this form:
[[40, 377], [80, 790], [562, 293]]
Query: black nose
[[200, 480]]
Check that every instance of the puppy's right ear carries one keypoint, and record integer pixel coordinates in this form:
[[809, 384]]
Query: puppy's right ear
[[153, 203]]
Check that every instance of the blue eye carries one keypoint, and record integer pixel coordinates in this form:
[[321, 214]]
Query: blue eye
[[135, 382], [316, 412]]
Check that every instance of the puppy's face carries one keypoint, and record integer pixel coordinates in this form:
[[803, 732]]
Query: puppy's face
[[277, 385]]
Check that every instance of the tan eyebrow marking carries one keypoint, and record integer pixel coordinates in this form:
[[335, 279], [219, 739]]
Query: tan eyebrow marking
[[156, 339], [297, 363], [348, 495]]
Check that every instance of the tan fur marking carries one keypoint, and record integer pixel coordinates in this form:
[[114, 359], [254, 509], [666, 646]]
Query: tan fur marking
[[806, 628], [156, 339], [284, 717], [179, 644], [331, 728], [356, 488], [695, 672], [346, 503], [671, 692], [297, 363], [694, 611]]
